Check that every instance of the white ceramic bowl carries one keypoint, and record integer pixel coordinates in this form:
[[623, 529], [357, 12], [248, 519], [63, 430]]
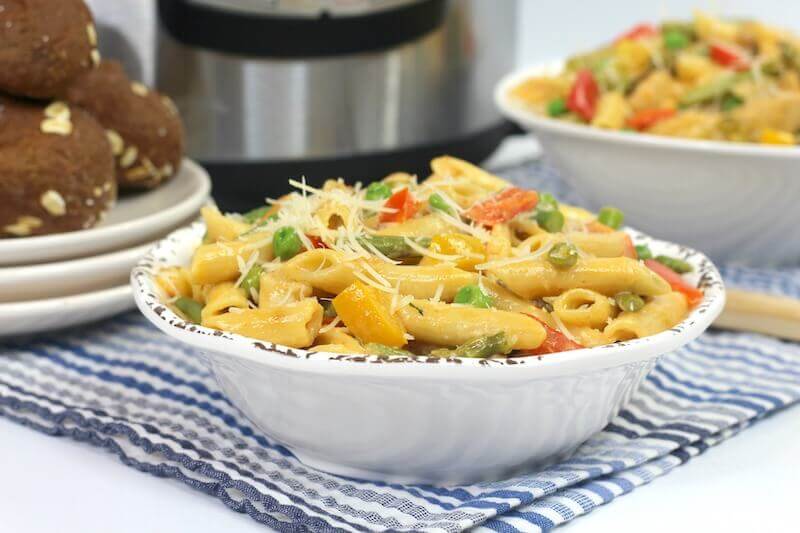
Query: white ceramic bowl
[[423, 419], [736, 202]]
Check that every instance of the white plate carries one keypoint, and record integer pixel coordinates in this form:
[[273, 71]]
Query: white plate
[[135, 219], [65, 278], [57, 313]]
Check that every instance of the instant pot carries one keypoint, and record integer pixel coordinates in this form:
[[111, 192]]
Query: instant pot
[[272, 89]]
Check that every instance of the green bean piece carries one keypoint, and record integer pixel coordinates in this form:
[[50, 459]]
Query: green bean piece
[[675, 40], [393, 246], [436, 202], [473, 295], [643, 252], [252, 280], [673, 263], [686, 28], [716, 88], [550, 221], [481, 347], [381, 350], [255, 215], [547, 202], [611, 217], [329, 311], [731, 101], [557, 107], [192, 309], [563, 255], [286, 243], [629, 302], [378, 191]]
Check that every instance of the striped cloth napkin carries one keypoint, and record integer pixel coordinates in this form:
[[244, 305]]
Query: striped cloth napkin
[[123, 386]]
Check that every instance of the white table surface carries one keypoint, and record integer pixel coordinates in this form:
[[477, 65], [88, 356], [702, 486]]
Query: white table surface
[[748, 483]]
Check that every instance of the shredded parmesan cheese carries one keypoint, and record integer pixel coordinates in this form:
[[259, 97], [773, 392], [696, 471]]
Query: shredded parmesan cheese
[[563, 328], [329, 327]]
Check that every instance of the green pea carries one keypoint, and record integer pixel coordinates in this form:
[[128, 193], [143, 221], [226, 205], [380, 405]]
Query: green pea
[[627, 301], [286, 243], [192, 309], [473, 295], [557, 107], [611, 217], [251, 217], [378, 191], [436, 202], [643, 252], [563, 255], [675, 40], [547, 202], [550, 221], [252, 280], [673, 263]]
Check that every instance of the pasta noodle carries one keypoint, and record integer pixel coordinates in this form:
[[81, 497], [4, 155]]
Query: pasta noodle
[[460, 265]]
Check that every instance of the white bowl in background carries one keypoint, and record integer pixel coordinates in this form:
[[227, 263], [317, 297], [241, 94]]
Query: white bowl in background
[[136, 219], [736, 202], [423, 419]]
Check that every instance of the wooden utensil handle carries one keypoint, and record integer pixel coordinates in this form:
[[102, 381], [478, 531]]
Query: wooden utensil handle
[[761, 313]]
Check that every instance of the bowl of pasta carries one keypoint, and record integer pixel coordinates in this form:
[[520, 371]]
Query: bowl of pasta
[[449, 330], [691, 127]]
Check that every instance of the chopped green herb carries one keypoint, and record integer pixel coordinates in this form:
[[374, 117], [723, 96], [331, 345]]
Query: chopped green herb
[[419, 309]]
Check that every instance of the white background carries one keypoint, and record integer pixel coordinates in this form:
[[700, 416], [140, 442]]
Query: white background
[[746, 484]]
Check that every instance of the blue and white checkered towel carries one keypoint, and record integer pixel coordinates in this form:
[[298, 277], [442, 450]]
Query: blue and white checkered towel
[[123, 386]]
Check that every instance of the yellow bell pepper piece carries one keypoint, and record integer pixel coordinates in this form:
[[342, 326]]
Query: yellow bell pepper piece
[[366, 314], [470, 249], [779, 137], [632, 58]]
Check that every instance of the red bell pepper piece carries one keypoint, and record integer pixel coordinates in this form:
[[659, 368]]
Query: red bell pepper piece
[[693, 295], [583, 95], [729, 56], [640, 31], [316, 241], [554, 342], [403, 204], [503, 207], [642, 120]]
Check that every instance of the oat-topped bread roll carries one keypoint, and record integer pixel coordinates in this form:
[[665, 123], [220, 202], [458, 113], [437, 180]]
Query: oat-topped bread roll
[[143, 126], [56, 169], [44, 46]]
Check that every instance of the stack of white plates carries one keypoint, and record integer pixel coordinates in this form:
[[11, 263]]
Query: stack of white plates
[[62, 280]]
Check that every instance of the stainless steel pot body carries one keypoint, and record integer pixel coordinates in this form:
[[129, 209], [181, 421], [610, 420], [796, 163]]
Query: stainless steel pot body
[[424, 92]]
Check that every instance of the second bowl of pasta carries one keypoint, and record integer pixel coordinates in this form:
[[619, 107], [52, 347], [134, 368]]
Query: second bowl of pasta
[[448, 330], [691, 127]]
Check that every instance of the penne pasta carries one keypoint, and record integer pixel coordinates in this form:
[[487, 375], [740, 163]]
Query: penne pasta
[[461, 265]]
